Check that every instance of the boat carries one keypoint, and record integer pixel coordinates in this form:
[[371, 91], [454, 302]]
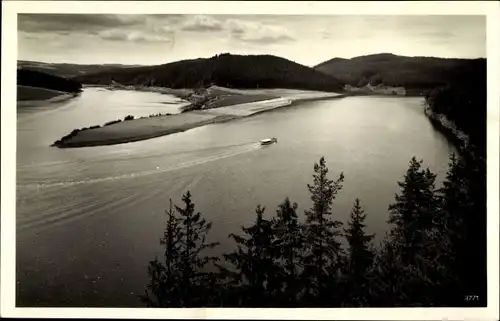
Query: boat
[[269, 141]]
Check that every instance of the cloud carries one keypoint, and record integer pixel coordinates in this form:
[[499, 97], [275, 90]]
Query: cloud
[[242, 30], [256, 32], [150, 28], [39, 23], [133, 28], [202, 23], [134, 36]]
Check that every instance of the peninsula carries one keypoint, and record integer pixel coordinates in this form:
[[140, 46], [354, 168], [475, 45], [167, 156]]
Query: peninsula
[[145, 128]]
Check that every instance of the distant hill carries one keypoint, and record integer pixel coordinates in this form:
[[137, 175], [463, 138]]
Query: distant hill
[[393, 70], [37, 79], [66, 70], [233, 71]]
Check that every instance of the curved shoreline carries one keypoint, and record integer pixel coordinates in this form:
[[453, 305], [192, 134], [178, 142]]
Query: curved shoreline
[[147, 128]]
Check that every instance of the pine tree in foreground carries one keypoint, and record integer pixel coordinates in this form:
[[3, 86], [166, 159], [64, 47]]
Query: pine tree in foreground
[[181, 281], [360, 255], [414, 210], [253, 275], [410, 258], [289, 242], [324, 255]]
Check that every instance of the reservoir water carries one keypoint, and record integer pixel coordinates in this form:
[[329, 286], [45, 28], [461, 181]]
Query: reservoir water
[[89, 220]]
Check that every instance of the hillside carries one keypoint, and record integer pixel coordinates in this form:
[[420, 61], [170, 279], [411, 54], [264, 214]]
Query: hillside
[[66, 70], [393, 70], [232, 71], [36, 79]]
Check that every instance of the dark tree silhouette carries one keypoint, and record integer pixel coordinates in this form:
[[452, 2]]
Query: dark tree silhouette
[[39, 79], [414, 210], [360, 252], [289, 241], [324, 252], [253, 277], [180, 281]]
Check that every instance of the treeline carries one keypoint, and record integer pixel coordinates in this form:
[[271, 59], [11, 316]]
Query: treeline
[[463, 101], [287, 261], [39, 79], [233, 71], [66, 70], [421, 73]]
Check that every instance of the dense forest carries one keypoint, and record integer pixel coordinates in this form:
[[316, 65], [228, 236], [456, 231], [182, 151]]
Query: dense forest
[[66, 70], [226, 70], [392, 70], [433, 256], [42, 80]]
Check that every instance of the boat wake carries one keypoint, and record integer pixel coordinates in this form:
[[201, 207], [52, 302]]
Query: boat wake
[[155, 171]]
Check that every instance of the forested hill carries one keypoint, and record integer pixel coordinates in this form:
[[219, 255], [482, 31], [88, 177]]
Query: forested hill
[[393, 70], [39, 79], [67, 70], [233, 71]]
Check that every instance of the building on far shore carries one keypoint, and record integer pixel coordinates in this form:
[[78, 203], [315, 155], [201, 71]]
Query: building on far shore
[[379, 89]]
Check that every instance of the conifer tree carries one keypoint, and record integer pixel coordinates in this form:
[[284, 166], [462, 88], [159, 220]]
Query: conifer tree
[[456, 226], [289, 243], [165, 277], [253, 272], [414, 210], [360, 249], [180, 281], [324, 256]]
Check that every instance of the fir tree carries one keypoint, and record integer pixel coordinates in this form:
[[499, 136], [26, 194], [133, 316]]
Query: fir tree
[[360, 253], [324, 256], [414, 210], [289, 243], [457, 227], [164, 281], [181, 281], [252, 277]]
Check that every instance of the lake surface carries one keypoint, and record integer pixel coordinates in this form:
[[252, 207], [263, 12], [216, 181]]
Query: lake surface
[[89, 220]]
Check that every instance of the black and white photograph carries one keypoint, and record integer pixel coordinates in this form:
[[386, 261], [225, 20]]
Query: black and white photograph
[[210, 158]]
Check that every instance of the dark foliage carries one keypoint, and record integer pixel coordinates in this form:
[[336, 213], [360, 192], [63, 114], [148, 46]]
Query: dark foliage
[[179, 281], [43, 80], [463, 101], [67, 70], [129, 117], [323, 253], [417, 74], [234, 71], [112, 122], [360, 256]]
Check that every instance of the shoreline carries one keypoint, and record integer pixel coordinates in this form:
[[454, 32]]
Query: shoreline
[[441, 123], [153, 127], [33, 96]]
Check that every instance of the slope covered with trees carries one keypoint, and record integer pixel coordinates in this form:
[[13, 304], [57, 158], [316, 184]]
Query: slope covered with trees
[[392, 70], [226, 70], [39, 79], [66, 70]]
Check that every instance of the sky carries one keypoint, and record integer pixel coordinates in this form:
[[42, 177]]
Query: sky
[[305, 39]]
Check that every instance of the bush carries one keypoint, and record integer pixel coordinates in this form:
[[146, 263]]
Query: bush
[[112, 122], [129, 117]]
